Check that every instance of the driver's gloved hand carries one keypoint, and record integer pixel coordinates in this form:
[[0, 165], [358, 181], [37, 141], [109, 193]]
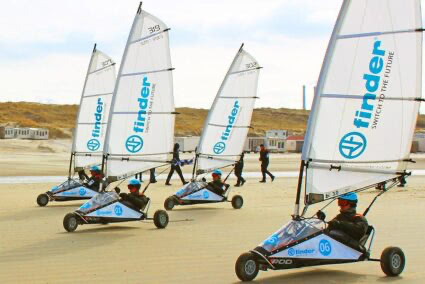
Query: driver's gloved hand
[[117, 190], [321, 215], [204, 179], [123, 196], [334, 224]]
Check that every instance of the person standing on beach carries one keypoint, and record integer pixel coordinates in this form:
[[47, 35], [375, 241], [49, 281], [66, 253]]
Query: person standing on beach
[[264, 158], [175, 166], [238, 171]]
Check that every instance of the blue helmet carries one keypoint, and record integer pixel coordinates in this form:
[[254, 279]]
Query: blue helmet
[[217, 172], [95, 169], [134, 182], [351, 196]]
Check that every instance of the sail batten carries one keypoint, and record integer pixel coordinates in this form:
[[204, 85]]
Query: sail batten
[[365, 107], [93, 112], [229, 119], [142, 115]]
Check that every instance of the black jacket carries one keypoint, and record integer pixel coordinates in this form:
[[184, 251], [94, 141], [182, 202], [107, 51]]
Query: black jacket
[[264, 156], [353, 224], [218, 186], [92, 183], [138, 201]]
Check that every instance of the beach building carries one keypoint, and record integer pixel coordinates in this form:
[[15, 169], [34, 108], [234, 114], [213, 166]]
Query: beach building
[[187, 143], [7, 132], [294, 144], [418, 142]]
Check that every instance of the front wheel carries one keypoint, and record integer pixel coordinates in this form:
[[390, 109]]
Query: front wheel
[[160, 219], [392, 261], [169, 203], [70, 222], [237, 202], [246, 267], [42, 199]]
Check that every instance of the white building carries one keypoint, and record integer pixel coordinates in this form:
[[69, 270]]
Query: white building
[[419, 140], [7, 132], [283, 134], [187, 143]]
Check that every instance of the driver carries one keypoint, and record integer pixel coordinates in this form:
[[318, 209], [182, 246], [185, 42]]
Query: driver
[[95, 178], [217, 185], [134, 199], [348, 225]]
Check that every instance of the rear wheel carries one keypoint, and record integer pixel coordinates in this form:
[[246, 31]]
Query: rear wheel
[[42, 199], [70, 222], [392, 261], [169, 203], [246, 267], [237, 202], [160, 219]]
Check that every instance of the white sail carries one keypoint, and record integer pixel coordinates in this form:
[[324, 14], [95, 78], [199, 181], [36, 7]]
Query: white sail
[[366, 105], [229, 118], [141, 129], [92, 117]]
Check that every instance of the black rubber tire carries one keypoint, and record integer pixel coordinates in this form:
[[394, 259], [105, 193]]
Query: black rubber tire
[[169, 203], [42, 200], [70, 222], [393, 261], [237, 202], [160, 219], [246, 267]]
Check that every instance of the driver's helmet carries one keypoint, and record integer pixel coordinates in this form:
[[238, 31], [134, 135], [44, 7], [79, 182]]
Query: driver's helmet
[[350, 197], [134, 185], [95, 169], [216, 173]]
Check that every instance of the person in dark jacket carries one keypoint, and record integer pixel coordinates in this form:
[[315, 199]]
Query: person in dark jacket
[[93, 182], [175, 166], [348, 226], [134, 199], [217, 185], [238, 172], [264, 158]]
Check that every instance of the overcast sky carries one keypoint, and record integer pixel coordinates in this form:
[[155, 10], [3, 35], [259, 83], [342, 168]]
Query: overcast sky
[[45, 46]]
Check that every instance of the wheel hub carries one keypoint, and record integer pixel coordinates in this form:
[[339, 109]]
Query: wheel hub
[[396, 261], [250, 267], [162, 219], [72, 222]]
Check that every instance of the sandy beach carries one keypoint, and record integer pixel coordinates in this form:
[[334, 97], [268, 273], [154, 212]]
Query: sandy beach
[[200, 244]]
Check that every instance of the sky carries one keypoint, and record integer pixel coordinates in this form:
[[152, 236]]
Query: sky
[[45, 46]]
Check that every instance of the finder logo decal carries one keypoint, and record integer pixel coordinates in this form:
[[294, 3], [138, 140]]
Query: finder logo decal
[[134, 143], [220, 146], [94, 144], [352, 145]]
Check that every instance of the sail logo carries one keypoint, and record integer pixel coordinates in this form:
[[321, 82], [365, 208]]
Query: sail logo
[[353, 144], [94, 143], [134, 143], [220, 146], [376, 64]]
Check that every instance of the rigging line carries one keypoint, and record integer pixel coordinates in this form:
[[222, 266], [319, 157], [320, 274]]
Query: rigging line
[[91, 123], [97, 95], [225, 126], [149, 36], [147, 72], [100, 69], [356, 170], [149, 113], [358, 162], [146, 188], [228, 97], [360, 97], [349, 36], [139, 155], [242, 71]]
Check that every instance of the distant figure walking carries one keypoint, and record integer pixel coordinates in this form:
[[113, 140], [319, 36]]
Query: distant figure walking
[[238, 171], [152, 178], [264, 158], [175, 165]]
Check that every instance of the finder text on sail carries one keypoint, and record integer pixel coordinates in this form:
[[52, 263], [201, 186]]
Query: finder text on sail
[[134, 143], [220, 146], [94, 144], [354, 143]]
